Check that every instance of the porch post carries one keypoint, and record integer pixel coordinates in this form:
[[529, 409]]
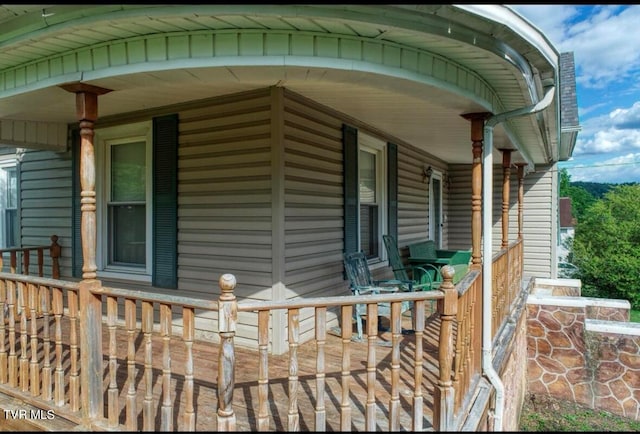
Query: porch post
[[520, 197], [91, 372], [443, 394], [227, 319], [506, 174], [477, 137]]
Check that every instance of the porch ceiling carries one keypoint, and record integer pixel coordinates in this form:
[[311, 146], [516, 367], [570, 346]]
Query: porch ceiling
[[423, 114], [433, 124]]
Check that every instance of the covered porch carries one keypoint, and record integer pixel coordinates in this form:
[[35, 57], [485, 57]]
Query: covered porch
[[257, 157], [104, 357], [101, 358]]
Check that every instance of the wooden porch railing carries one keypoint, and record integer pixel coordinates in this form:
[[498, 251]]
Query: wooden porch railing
[[467, 367], [19, 259], [42, 362], [507, 277]]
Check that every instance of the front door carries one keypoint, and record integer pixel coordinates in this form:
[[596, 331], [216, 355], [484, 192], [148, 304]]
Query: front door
[[435, 208]]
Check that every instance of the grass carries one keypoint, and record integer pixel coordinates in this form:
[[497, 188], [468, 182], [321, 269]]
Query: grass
[[634, 315], [543, 413]]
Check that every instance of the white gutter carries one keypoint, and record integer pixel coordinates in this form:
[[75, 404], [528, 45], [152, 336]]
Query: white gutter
[[487, 233]]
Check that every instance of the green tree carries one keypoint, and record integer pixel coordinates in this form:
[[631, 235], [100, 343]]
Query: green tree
[[581, 199], [606, 246], [565, 182]]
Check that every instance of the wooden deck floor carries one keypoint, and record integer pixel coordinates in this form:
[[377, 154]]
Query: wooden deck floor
[[245, 398]]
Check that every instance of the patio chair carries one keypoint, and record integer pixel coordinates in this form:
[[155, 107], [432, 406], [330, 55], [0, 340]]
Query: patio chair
[[361, 282], [424, 277], [424, 253]]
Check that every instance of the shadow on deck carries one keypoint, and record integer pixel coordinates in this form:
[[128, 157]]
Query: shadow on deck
[[345, 368]]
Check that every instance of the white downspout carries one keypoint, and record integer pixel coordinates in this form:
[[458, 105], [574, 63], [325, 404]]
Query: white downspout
[[487, 234]]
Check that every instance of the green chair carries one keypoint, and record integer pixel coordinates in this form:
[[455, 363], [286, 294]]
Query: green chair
[[424, 277], [425, 252]]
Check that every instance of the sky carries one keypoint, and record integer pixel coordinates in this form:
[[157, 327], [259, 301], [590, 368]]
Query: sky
[[605, 41]]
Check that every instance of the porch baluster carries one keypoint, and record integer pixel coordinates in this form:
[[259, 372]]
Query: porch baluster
[[459, 350], [147, 404], [166, 417], [26, 262], [467, 365], [40, 254], [24, 361], [372, 337], [130, 323], [13, 262], [418, 314], [58, 388], [45, 300], [74, 377], [347, 331], [321, 338], [13, 357], [396, 334], [113, 408], [34, 366], [228, 316], [293, 421], [263, 373], [54, 252], [188, 327]]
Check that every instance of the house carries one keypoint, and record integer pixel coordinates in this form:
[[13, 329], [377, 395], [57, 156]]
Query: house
[[167, 145], [567, 224]]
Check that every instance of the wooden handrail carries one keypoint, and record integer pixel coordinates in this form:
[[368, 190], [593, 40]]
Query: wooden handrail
[[24, 253]]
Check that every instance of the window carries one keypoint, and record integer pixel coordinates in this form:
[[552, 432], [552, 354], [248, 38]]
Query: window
[[371, 181], [125, 200], [136, 202], [126, 204], [9, 203], [370, 193], [435, 208]]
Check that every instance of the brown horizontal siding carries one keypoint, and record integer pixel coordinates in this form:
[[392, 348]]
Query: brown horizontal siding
[[224, 201], [45, 202], [313, 204]]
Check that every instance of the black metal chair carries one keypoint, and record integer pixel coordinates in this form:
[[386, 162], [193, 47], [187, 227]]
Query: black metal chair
[[361, 282]]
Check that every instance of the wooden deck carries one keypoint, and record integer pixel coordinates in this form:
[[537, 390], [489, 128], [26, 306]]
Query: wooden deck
[[246, 383], [282, 411]]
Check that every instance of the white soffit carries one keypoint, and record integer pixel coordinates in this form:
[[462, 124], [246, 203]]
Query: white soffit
[[32, 134]]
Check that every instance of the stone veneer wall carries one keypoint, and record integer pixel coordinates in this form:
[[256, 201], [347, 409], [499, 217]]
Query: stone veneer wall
[[514, 377], [584, 350]]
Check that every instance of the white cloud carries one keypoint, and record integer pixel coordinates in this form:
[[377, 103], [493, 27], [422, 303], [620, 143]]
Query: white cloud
[[606, 47], [550, 19], [616, 170], [605, 42], [615, 132]]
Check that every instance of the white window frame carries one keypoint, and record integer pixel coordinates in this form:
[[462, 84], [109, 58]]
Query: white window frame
[[8, 162], [104, 138], [378, 147], [436, 174]]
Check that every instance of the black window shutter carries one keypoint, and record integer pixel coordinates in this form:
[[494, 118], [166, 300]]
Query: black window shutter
[[392, 189], [76, 188], [351, 189], [165, 201]]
